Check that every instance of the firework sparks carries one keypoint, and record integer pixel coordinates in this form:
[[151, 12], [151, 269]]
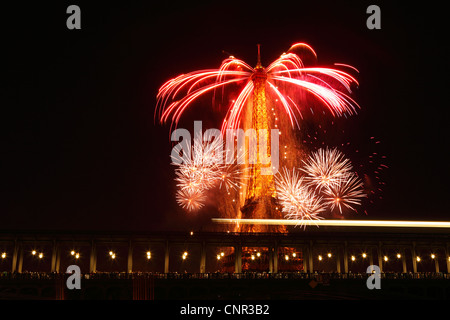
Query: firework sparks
[[190, 199], [203, 169], [347, 193], [325, 168], [176, 95], [298, 201]]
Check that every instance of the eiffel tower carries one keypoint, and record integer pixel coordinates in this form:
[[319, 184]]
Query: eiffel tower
[[260, 200]]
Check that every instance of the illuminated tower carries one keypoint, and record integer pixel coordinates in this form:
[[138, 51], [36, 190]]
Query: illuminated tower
[[260, 200]]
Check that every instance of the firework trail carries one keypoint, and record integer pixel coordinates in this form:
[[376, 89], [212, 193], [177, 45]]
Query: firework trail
[[288, 72], [297, 200]]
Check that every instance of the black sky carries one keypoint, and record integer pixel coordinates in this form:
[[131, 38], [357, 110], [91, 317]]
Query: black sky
[[80, 147]]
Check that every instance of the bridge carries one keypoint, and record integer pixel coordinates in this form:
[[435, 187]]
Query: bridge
[[395, 248]]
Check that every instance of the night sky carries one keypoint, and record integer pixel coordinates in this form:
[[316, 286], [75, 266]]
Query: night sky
[[80, 147]]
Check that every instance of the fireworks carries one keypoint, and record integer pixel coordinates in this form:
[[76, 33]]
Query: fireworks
[[348, 192], [202, 170], [298, 201], [325, 168], [325, 182], [328, 183], [176, 95], [190, 199]]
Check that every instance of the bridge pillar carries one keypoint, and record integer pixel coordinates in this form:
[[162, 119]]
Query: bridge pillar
[[338, 259], [166, 257], [447, 257], [405, 270], [15, 256], [130, 258], [275, 258], [93, 258], [203, 257], [414, 257], [345, 257], [237, 259], [56, 257], [380, 256], [436, 262], [270, 250], [310, 257], [20, 262]]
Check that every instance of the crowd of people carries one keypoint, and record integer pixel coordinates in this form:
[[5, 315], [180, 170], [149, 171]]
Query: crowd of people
[[219, 275]]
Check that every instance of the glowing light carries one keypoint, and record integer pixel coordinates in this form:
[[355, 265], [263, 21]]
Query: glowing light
[[399, 255], [294, 255], [385, 258], [364, 255], [433, 256], [253, 257], [3, 255], [222, 254], [218, 257], [286, 257], [33, 252], [41, 255], [329, 254], [341, 223], [77, 255], [418, 259], [320, 258], [258, 254], [353, 258], [113, 256], [149, 255]]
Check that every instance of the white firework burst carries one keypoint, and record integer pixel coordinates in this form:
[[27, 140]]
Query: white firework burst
[[347, 192], [190, 200], [297, 200], [325, 168]]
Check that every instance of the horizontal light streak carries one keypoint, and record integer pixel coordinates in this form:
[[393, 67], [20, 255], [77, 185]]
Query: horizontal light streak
[[340, 223]]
